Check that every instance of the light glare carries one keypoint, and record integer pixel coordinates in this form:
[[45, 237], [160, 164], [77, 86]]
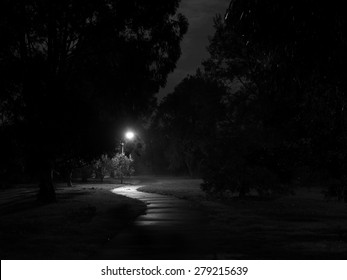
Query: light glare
[[129, 135]]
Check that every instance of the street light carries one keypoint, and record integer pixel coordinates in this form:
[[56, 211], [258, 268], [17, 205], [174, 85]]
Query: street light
[[129, 135]]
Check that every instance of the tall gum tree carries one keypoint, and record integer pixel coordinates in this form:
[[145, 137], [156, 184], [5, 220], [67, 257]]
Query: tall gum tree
[[283, 63]]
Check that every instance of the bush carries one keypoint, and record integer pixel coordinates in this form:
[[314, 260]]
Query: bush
[[102, 167], [122, 166], [84, 173], [239, 166]]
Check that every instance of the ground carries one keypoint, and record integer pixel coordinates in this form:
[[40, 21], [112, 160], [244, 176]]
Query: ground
[[82, 220], [87, 216], [300, 226]]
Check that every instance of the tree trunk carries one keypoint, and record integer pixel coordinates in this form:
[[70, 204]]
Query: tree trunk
[[100, 174], [190, 168], [69, 177], [188, 160], [47, 191]]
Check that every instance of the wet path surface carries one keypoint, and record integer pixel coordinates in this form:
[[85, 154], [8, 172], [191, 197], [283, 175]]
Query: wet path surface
[[171, 229]]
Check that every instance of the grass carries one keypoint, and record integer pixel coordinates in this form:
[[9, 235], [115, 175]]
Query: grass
[[301, 226], [85, 217], [81, 222], [184, 188]]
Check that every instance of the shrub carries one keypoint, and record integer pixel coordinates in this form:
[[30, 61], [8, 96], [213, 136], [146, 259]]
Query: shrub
[[102, 167], [122, 166]]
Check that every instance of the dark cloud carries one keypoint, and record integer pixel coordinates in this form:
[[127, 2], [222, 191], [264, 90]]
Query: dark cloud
[[200, 14]]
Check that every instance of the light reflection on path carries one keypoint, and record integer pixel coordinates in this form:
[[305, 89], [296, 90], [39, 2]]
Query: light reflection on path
[[171, 229]]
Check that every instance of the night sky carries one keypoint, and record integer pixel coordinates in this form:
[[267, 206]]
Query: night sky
[[200, 14]]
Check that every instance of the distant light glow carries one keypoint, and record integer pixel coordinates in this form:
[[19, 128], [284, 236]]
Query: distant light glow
[[129, 135]]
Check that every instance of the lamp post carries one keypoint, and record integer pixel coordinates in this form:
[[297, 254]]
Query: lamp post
[[129, 135], [122, 147]]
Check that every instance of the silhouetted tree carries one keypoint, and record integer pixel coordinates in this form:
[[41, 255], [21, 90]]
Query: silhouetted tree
[[283, 65], [186, 121], [102, 167], [83, 67]]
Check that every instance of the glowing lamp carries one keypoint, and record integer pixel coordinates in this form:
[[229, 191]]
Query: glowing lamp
[[129, 135]]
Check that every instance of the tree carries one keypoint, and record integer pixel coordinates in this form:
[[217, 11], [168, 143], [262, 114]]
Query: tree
[[282, 64], [82, 68], [122, 166], [103, 166], [85, 172], [186, 122]]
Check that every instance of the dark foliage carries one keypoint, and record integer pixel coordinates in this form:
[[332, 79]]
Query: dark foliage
[[186, 123], [74, 71], [283, 64]]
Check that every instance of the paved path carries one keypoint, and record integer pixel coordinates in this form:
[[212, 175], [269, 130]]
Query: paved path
[[171, 229]]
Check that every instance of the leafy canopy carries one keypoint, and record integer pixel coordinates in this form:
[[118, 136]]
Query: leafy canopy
[[82, 68]]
